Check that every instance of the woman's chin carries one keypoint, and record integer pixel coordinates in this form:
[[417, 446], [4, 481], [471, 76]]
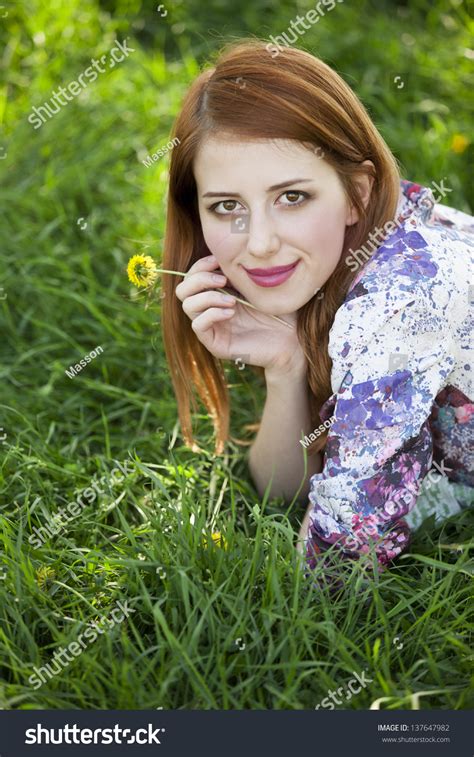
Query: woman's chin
[[269, 305], [276, 310]]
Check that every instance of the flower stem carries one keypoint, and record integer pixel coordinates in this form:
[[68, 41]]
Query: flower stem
[[242, 302]]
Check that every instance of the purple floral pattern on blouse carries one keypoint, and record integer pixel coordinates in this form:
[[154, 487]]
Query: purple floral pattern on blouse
[[402, 379]]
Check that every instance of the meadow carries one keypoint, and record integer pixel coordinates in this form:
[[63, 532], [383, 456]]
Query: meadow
[[226, 622]]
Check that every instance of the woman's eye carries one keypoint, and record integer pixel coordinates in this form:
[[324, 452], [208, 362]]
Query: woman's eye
[[289, 198], [224, 207], [294, 197]]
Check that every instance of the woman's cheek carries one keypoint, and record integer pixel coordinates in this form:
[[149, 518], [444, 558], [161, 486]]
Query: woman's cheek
[[326, 236], [221, 242]]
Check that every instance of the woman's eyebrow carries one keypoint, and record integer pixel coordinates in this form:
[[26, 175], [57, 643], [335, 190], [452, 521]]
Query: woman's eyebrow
[[283, 184]]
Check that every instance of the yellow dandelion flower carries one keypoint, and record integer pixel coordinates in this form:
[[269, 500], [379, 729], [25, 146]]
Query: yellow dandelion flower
[[44, 575], [459, 143], [141, 270], [218, 540]]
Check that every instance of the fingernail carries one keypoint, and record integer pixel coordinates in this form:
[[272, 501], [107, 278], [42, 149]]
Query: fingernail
[[228, 298], [218, 279], [228, 311]]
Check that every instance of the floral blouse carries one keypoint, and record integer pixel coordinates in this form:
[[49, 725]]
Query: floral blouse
[[402, 381]]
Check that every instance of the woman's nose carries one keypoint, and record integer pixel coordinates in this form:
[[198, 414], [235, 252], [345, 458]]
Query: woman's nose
[[262, 238]]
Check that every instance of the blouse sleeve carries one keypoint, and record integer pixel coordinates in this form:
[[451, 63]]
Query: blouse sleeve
[[379, 446]]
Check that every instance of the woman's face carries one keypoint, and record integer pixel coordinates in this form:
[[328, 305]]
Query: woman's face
[[274, 214]]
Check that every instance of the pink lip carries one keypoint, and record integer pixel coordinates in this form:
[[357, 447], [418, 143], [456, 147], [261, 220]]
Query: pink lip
[[271, 277]]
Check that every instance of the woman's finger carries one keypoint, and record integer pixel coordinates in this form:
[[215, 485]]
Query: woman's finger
[[198, 303], [209, 318], [207, 263], [198, 282]]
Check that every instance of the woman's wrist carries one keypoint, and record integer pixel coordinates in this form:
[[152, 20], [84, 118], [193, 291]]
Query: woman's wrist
[[293, 369]]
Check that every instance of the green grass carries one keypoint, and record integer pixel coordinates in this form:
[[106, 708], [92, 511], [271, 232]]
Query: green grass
[[66, 293]]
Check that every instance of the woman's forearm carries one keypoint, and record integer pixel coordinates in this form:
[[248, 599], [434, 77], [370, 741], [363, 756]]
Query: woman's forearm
[[277, 453]]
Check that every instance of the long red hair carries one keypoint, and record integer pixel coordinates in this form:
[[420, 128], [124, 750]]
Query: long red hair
[[291, 96]]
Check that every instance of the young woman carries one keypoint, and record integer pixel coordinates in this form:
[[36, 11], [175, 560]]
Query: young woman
[[282, 190]]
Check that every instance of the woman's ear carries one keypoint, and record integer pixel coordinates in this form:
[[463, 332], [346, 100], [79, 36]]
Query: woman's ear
[[364, 184]]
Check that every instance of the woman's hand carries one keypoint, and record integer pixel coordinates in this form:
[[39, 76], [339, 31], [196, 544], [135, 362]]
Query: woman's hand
[[230, 330]]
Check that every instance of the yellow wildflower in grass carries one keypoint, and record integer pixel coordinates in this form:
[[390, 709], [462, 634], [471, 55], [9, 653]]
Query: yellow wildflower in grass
[[44, 575], [141, 270], [218, 540], [459, 143]]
